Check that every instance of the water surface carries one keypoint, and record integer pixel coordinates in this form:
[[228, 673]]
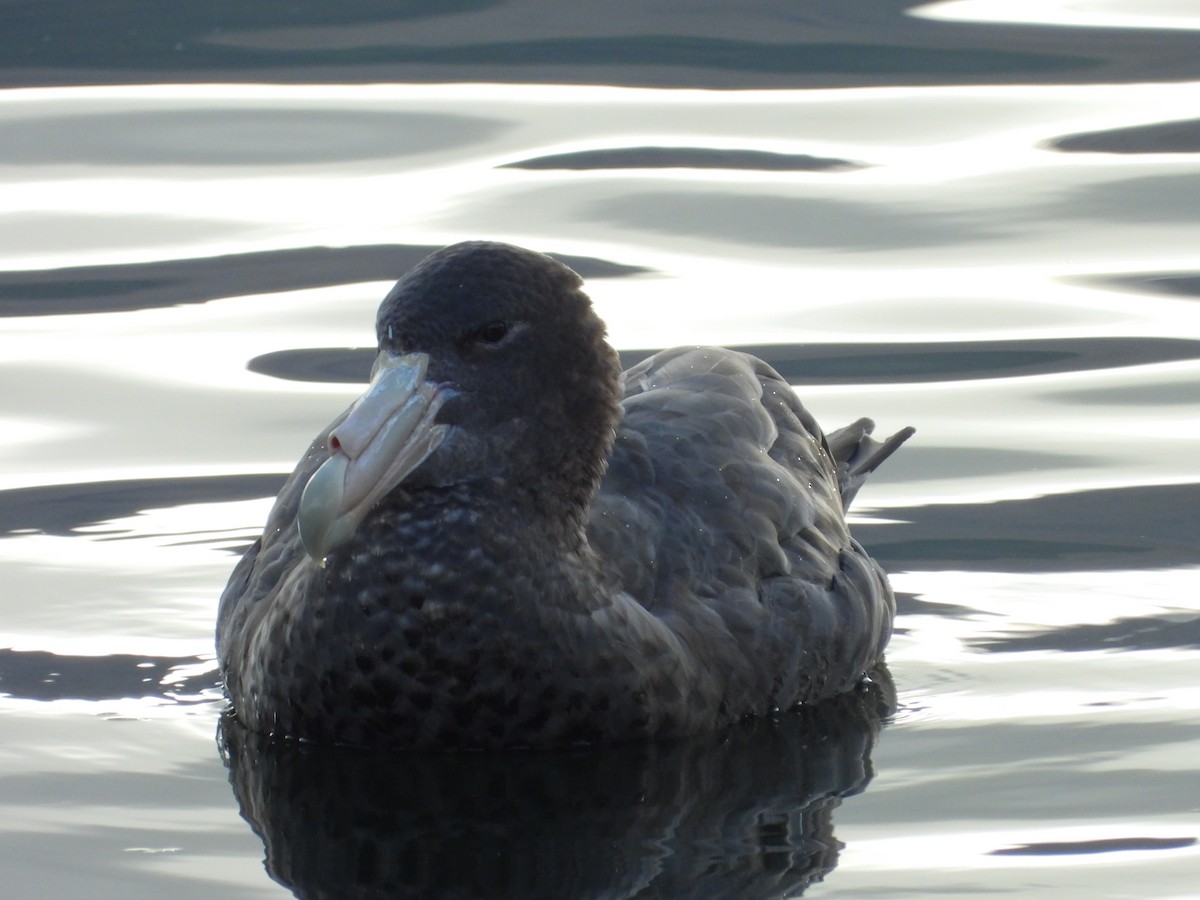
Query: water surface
[[977, 218]]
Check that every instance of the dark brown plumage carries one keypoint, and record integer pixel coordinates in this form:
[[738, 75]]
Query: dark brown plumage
[[567, 554]]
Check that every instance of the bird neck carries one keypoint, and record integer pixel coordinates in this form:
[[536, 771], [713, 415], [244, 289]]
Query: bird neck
[[488, 518]]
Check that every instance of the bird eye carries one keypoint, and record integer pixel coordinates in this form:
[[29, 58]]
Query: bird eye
[[492, 332]]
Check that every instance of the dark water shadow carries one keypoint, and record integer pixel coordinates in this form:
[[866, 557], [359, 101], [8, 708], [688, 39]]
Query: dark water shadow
[[102, 289], [685, 158], [776, 44], [1171, 284], [1179, 136], [823, 43], [744, 813], [839, 363], [912, 605], [1157, 632], [1103, 845], [62, 509], [43, 676], [515, 50], [1142, 527]]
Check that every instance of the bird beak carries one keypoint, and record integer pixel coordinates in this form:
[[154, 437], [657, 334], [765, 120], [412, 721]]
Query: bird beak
[[386, 434]]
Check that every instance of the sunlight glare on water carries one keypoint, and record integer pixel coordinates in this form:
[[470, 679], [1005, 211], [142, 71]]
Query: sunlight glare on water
[[1173, 14]]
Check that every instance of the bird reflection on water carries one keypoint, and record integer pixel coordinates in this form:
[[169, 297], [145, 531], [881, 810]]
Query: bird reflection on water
[[746, 812]]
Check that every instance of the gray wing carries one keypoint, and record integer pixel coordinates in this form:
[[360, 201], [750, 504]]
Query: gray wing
[[722, 513]]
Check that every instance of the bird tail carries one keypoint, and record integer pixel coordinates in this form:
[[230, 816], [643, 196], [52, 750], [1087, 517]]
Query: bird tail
[[857, 454]]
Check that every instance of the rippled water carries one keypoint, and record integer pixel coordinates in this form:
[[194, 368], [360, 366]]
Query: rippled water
[[978, 218]]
